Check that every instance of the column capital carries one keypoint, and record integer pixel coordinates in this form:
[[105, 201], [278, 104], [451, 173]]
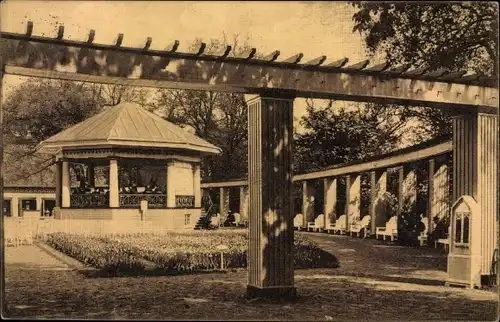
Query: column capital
[[270, 94]]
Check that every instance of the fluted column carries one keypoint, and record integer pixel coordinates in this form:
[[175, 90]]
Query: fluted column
[[91, 175], [114, 198], [244, 198], [270, 138], [407, 199], [196, 185], [308, 193], [223, 201], [378, 200], [475, 173], [353, 198], [438, 192], [66, 185], [330, 200], [170, 191], [58, 171]]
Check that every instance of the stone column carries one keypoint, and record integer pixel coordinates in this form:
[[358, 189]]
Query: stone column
[[39, 204], [438, 192], [197, 185], [353, 198], [270, 138], [407, 199], [244, 198], [114, 198], [308, 193], [14, 207], [66, 185], [170, 184], [330, 200], [223, 201], [378, 200], [58, 167], [475, 173], [91, 175]]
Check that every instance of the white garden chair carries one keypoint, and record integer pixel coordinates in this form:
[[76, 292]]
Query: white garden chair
[[361, 225], [422, 238], [339, 226], [237, 219], [390, 229], [317, 224], [298, 221]]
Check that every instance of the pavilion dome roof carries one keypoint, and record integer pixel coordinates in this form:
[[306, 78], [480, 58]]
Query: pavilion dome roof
[[126, 125]]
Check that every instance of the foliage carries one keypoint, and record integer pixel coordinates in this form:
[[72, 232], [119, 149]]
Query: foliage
[[454, 35], [220, 118], [38, 109], [338, 135], [451, 35], [110, 256], [176, 252]]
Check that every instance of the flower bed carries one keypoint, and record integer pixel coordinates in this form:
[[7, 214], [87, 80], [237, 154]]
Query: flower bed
[[177, 252], [108, 255]]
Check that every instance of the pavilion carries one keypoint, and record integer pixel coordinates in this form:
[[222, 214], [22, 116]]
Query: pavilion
[[110, 165]]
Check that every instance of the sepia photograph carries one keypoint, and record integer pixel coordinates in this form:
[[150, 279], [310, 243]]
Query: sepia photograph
[[249, 160]]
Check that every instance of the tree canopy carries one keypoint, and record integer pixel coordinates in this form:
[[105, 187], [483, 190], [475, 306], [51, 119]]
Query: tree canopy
[[449, 35], [336, 135], [454, 35]]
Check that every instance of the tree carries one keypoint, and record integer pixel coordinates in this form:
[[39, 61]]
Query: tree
[[451, 35], [220, 118], [38, 109], [338, 135], [454, 35]]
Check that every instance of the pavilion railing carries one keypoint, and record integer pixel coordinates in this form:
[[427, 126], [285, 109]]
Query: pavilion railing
[[129, 200], [89, 201], [184, 201]]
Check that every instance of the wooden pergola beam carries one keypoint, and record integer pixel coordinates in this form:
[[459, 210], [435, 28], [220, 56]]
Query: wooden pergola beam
[[114, 64]]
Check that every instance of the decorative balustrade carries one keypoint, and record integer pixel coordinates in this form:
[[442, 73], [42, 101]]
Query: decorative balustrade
[[184, 201], [134, 200], [89, 201]]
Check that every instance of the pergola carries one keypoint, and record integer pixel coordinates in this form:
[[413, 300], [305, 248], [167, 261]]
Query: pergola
[[471, 98], [146, 158]]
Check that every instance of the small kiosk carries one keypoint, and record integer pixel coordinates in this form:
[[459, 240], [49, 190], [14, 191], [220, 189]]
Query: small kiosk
[[464, 258]]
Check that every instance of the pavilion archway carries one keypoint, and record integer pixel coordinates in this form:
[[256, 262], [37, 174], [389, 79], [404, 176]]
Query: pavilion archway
[[472, 99]]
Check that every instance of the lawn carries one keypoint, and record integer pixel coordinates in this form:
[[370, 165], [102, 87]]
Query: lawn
[[322, 293], [40, 287]]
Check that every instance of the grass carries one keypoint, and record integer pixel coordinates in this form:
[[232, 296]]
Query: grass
[[36, 291], [48, 294]]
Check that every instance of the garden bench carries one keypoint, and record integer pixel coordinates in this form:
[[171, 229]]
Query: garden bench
[[361, 225], [390, 229], [298, 221], [339, 225], [444, 241], [317, 224]]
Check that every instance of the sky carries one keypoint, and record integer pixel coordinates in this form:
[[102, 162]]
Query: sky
[[313, 28]]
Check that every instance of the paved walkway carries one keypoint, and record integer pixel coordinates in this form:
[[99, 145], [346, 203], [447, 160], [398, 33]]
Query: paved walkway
[[32, 257], [369, 257]]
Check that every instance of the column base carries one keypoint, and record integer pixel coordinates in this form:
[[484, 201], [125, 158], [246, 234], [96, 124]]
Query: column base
[[276, 293]]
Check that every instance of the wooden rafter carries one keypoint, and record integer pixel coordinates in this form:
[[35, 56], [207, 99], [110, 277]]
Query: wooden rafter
[[29, 55]]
